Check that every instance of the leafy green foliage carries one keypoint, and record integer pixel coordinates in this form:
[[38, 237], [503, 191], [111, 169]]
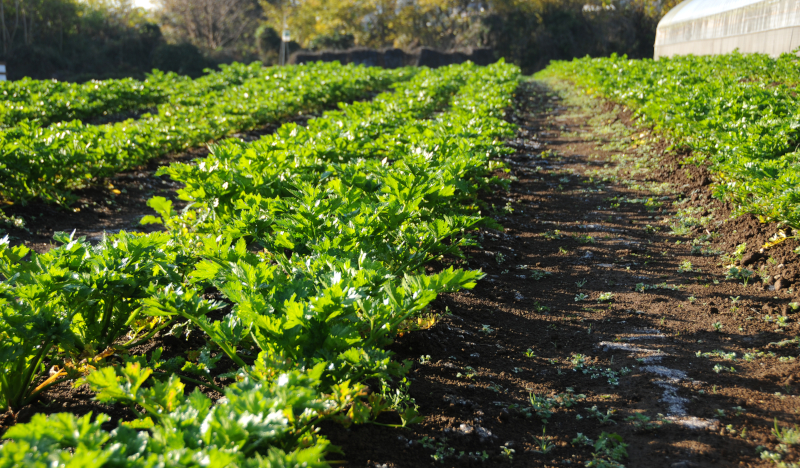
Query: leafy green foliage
[[49, 162], [738, 113], [316, 241]]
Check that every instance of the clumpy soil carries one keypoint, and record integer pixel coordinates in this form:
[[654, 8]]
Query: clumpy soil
[[606, 308], [589, 294]]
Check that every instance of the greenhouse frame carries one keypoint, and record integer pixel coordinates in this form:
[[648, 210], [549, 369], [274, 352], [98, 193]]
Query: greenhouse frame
[[708, 27]]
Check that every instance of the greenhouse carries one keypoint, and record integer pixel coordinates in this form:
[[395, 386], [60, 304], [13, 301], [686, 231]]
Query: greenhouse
[[707, 27]]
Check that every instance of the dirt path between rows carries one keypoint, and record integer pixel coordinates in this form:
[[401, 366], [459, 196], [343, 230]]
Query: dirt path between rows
[[605, 308]]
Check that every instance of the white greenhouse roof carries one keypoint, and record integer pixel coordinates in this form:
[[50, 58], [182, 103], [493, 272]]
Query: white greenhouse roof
[[694, 9], [707, 27]]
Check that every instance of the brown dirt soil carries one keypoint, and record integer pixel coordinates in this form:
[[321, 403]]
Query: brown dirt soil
[[475, 386], [588, 305]]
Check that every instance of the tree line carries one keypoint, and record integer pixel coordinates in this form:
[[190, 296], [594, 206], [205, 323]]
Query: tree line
[[83, 39]]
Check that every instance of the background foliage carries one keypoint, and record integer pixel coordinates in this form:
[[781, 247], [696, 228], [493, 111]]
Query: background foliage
[[81, 39]]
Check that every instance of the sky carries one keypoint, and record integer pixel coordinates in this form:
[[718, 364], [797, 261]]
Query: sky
[[143, 3]]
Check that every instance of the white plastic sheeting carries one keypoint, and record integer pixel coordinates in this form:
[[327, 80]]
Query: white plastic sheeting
[[706, 27]]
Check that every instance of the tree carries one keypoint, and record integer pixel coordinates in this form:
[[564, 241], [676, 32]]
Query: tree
[[211, 25]]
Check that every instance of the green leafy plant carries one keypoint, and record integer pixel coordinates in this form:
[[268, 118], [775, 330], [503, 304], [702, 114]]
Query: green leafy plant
[[543, 444], [315, 261], [605, 297]]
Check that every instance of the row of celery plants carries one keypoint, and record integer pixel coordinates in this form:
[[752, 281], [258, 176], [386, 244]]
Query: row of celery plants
[[50, 101], [315, 238], [50, 162], [740, 114]]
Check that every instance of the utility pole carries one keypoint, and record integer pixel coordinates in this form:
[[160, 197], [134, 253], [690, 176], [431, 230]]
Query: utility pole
[[285, 38]]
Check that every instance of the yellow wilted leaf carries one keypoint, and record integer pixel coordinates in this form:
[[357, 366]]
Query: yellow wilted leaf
[[779, 237]]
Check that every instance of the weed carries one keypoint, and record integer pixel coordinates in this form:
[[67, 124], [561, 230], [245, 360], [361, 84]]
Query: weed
[[469, 373], [603, 418], [552, 235], [717, 327], [609, 450], [581, 283], [542, 406], [507, 452], [539, 274], [642, 422], [581, 439], [719, 368], [581, 297], [605, 297], [569, 398], [687, 267], [786, 436], [442, 451], [739, 273], [543, 444]]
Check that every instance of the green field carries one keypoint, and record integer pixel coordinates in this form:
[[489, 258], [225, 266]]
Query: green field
[[738, 114], [315, 238]]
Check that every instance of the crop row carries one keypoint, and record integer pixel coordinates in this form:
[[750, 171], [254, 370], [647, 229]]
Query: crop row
[[54, 101], [50, 162], [313, 241], [738, 113], [50, 101]]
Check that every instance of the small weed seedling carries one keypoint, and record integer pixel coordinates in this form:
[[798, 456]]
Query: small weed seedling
[[581, 297], [642, 422], [786, 435], [543, 444], [581, 439], [507, 453], [542, 406], [552, 235], [740, 273], [609, 451], [687, 267], [605, 297], [442, 451], [539, 274], [469, 373], [603, 418]]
